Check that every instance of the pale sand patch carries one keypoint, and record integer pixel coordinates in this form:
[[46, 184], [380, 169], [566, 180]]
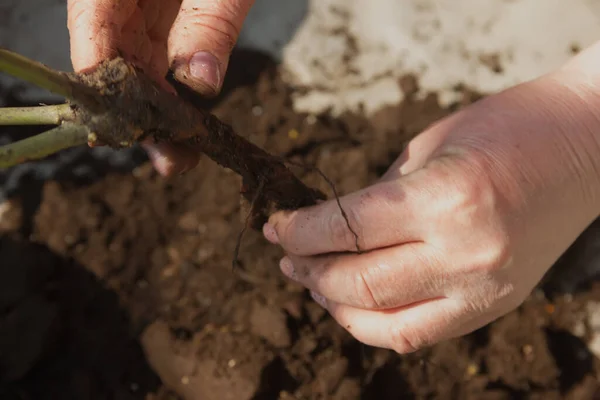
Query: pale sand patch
[[444, 42]]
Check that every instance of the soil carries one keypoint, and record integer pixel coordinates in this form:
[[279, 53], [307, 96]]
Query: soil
[[122, 287]]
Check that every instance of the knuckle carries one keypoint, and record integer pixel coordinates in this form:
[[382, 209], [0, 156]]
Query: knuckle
[[498, 253], [403, 342], [364, 290], [493, 251]]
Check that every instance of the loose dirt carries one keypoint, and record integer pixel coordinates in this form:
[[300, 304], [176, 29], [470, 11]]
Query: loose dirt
[[122, 287]]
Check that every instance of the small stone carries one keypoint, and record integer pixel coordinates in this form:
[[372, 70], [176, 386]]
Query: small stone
[[257, 111], [185, 380], [311, 119], [578, 329], [231, 363], [472, 370], [528, 352], [169, 271], [204, 254], [11, 216]]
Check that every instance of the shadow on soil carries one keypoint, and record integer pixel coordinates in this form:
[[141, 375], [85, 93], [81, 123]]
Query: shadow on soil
[[62, 333]]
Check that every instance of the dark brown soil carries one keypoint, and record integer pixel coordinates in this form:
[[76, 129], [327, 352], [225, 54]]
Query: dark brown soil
[[123, 288]]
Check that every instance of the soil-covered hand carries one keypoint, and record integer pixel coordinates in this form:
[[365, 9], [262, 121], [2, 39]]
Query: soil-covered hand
[[192, 37], [465, 223]]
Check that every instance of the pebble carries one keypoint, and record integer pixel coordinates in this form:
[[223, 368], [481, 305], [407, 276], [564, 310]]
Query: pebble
[[578, 329], [257, 111]]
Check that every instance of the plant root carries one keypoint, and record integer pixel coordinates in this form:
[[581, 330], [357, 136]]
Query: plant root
[[336, 195], [249, 215]]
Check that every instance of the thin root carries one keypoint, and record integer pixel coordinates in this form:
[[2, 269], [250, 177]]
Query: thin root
[[335, 193], [238, 243]]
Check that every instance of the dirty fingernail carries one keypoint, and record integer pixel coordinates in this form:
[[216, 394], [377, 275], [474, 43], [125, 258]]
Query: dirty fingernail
[[287, 267], [270, 233], [158, 158], [319, 299], [205, 67]]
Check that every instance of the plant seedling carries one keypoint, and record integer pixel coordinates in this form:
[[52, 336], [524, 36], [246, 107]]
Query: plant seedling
[[117, 104]]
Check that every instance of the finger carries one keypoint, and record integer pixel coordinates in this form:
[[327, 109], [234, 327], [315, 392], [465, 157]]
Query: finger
[[167, 12], [382, 279], [404, 330], [201, 41], [382, 215], [151, 11], [134, 41], [160, 65], [171, 159], [95, 28], [158, 27]]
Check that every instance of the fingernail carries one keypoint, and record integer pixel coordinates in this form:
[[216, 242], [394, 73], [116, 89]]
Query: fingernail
[[270, 233], [319, 299], [160, 162], [205, 67], [287, 267]]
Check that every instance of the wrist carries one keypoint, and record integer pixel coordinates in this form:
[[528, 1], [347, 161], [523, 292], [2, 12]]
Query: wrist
[[539, 144]]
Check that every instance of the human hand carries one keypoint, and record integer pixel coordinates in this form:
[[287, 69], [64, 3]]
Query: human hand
[[463, 225], [193, 37]]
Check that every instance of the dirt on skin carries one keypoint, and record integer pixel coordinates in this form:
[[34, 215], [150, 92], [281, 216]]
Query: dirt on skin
[[123, 288]]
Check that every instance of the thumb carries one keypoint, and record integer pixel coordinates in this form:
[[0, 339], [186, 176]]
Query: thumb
[[201, 41]]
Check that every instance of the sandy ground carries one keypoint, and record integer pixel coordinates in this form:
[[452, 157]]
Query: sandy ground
[[489, 45]]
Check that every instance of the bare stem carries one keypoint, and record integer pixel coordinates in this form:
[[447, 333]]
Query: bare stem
[[43, 115], [44, 77], [36, 147]]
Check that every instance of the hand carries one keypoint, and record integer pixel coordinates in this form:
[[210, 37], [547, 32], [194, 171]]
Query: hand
[[193, 37], [463, 225]]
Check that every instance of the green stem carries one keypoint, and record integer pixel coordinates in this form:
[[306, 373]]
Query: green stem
[[47, 78], [43, 115], [36, 147]]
